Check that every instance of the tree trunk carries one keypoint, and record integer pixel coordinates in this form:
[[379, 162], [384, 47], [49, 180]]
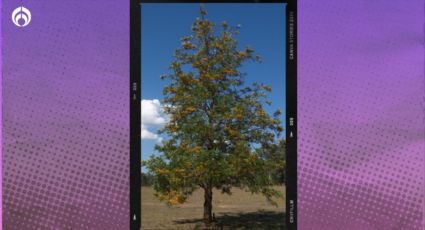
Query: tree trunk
[[208, 205]]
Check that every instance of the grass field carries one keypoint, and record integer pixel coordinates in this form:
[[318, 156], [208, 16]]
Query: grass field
[[240, 211]]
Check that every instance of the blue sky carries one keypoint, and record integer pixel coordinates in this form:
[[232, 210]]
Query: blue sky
[[262, 27]]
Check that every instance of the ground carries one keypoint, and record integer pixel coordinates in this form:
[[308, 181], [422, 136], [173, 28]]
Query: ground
[[240, 211]]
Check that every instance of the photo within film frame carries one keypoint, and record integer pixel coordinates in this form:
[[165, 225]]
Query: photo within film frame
[[291, 107]]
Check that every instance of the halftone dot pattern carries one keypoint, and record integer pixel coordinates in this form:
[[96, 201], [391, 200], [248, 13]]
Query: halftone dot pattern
[[66, 116], [361, 113]]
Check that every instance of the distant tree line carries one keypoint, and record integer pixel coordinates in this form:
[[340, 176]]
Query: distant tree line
[[147, 179]]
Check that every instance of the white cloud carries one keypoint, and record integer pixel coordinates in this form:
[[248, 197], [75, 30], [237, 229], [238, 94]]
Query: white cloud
[[152, 112], [153, 117], [146, 134]]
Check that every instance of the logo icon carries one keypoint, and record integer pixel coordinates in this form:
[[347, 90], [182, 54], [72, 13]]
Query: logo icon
[[21, 16]]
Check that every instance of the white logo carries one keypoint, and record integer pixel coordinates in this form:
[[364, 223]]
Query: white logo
[[21, 16]]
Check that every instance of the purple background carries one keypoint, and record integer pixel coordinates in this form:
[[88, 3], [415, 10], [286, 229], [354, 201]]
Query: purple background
[[361, 115], [66, 116]]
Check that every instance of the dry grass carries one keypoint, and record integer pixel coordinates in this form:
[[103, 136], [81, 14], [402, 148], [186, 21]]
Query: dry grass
[[242, 210]]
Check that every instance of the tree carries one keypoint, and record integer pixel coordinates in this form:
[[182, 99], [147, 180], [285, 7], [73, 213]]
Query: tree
[[218, 132], [276, 154]]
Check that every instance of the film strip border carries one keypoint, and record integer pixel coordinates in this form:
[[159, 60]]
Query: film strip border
[[291, 106], [135, 114], [291, 115]]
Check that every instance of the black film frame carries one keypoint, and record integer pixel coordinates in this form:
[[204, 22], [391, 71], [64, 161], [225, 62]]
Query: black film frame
[[291, 106]]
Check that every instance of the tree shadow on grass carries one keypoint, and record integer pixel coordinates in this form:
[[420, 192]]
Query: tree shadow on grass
[[267, 220]]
